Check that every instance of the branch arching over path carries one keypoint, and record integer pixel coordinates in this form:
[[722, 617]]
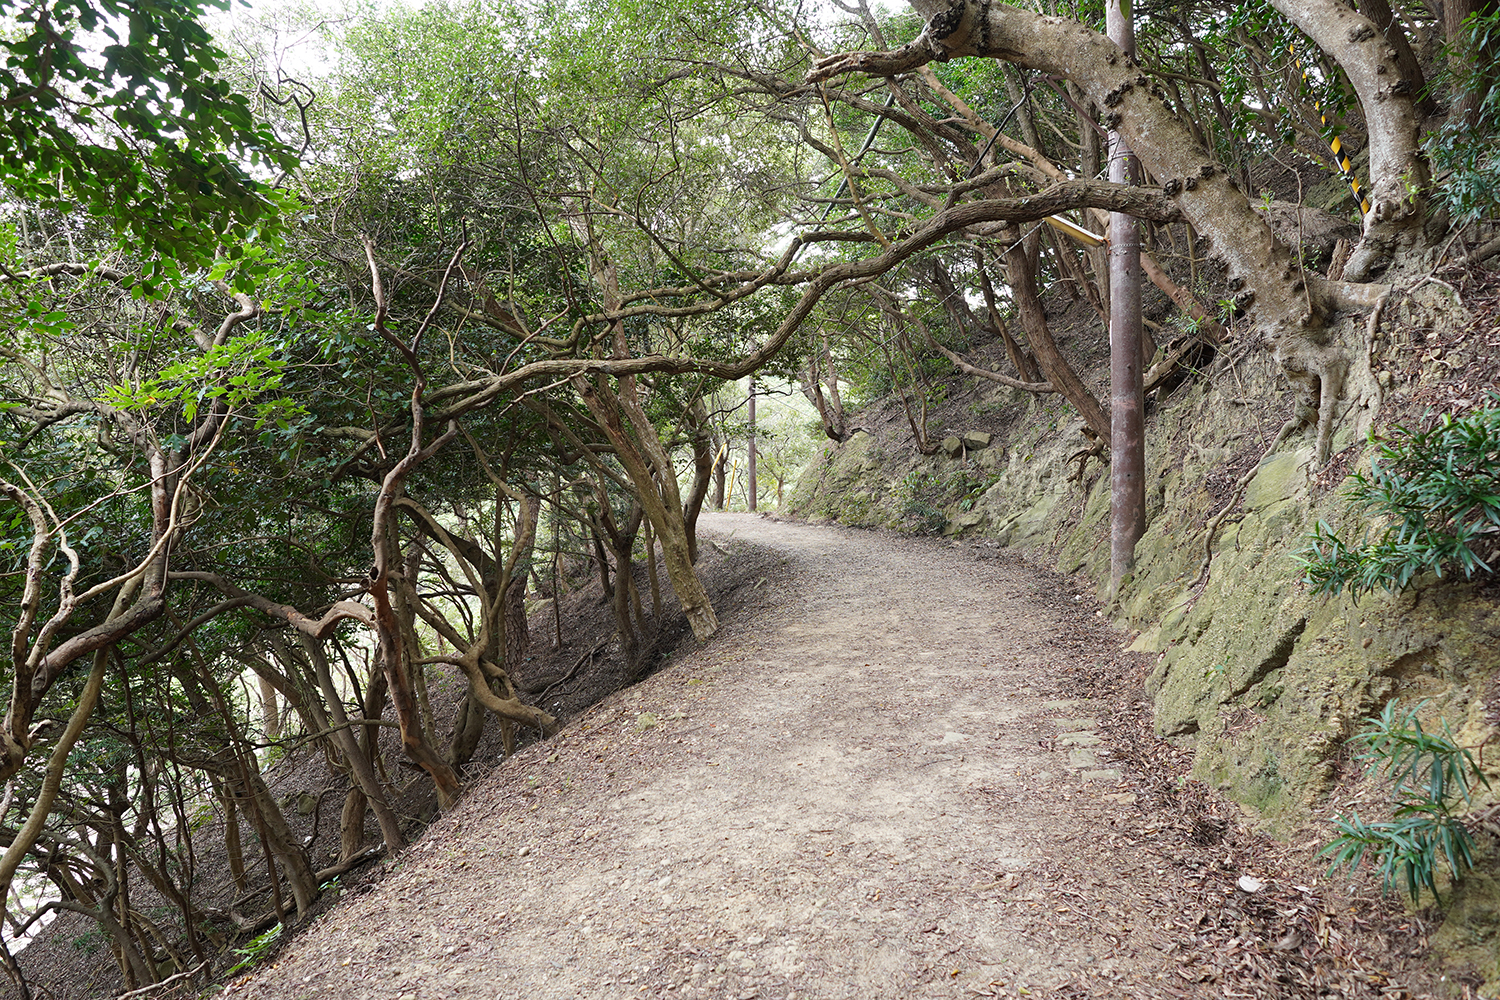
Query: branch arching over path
[[458, 398], [1297, 312]]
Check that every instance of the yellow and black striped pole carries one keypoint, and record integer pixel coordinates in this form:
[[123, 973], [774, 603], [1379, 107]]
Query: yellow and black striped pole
[[1335, 145]]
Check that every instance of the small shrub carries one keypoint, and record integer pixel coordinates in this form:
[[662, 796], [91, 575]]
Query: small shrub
[[972, 485], [916, 509], [1438, 490], [89, 941], [922, 518], [256, 949], [1425, 775]]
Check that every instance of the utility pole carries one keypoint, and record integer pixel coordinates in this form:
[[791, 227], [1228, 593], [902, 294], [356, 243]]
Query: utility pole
[[750, 486], [1127, 446]]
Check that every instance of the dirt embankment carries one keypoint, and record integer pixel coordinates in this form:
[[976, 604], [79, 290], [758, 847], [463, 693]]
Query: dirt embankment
[[923, 772]]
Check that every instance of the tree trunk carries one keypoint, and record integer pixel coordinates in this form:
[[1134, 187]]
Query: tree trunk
[[1023, 107], [1092, 153], [240, 770], [25, 838], [391, 651], [490, 654], [232, 846], [621, 543], [513, 610], [278, 836], [1021, 359], [602, 561], [655, 489], [1127, 520], [1455, 12], [404, 602], [373, 711], [361, 770], [352, 823], [1389, 24], [830, 408], [1053, 365], [1398, 172], [512, 583], [721, 459], [397, 669], [703, 473], [270, 711], [650, 542], [468, 727]]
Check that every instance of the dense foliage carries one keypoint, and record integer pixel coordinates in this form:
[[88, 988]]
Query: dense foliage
[[1465, 150], [123, 109]]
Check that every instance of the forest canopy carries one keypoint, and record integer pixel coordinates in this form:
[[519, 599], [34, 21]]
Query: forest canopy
[[330, 337]]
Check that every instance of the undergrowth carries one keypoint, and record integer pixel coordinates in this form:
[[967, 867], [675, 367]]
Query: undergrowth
[[1437, 493], [1426, 777]]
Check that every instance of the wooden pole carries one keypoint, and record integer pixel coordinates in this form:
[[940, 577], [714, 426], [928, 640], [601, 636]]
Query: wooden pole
[[1127, 403], [750, 486]]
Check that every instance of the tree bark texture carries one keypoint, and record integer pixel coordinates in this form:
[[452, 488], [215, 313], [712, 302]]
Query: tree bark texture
[[1455, 12], [752, 490], [1023, 361], [361, 770], [621, 543], [1054, 366], [829, 406], [656, 489], [703, 473], [1127, 466], [1379, 11], [391, 648], [721, 461]]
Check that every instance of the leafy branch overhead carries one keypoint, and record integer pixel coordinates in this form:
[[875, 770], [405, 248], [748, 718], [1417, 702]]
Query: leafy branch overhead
[[123, 109]]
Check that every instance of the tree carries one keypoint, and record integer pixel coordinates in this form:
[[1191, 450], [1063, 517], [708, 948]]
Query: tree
[[125, 412], [1127, 460], [121, 107], [1313, 323]]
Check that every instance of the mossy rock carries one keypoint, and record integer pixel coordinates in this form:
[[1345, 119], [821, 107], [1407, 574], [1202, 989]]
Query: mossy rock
[[1470, 934]]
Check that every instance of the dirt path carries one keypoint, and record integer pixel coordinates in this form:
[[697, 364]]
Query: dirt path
[[875, 791]]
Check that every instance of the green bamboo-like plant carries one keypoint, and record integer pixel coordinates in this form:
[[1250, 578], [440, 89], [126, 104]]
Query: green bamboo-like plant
[[255, 950], [1438, 492], [1427, 776]]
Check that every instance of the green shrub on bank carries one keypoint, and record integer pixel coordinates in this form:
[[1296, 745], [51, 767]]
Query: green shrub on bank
[[1426, 776], [1438, 492]]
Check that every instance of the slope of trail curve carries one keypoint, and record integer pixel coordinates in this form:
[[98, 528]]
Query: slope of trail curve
[[872, 790]]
